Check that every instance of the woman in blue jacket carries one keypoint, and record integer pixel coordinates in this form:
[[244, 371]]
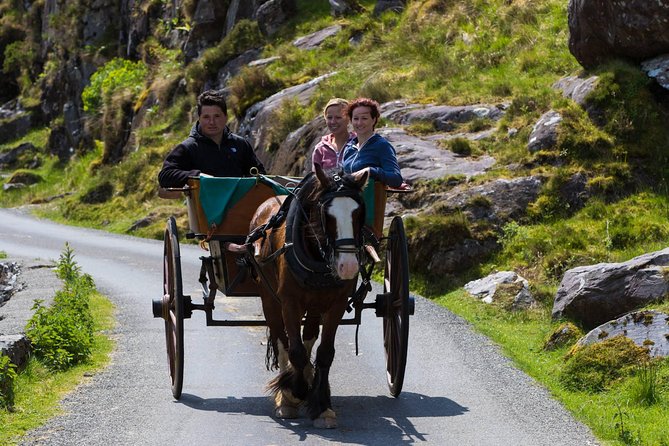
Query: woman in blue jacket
[[369, 151]]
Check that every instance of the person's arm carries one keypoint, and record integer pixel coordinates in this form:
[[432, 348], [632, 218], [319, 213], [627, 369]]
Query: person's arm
[[389, 170], [177, 167], [251, 159], [317, 157]]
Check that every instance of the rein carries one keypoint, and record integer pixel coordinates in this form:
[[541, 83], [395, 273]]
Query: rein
[[314, 273]]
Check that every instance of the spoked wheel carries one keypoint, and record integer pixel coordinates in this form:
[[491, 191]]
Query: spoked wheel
[[398, 306], [172, 307]]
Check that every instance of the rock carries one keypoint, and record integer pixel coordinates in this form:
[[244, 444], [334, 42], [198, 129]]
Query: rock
[[274, 13], [595, 294], [649, 329], [233, 67], [420, 158], [658, 69], [314, 40], [206, 30], [15, 127], [564, 335], [142, 222], [444, 117], [60, 143], [601, 30], [10, 157], [255, 126], [488, 289], [544, 132], [441, 262], [507, 200], [293, 157], [577, 88], [98, 194], [24, 177], [345, 7], [389, 5]]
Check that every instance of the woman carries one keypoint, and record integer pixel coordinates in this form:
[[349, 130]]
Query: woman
[[369, 151], [328, 152]]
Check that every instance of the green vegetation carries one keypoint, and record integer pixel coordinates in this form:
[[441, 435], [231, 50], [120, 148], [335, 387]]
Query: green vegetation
[[437, 51], [70, 343]]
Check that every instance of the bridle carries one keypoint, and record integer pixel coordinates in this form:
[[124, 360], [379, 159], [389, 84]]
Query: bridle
[[341, 245]]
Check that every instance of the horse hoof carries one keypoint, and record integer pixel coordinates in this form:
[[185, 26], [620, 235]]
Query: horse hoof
[[286, 412], [326, 420]]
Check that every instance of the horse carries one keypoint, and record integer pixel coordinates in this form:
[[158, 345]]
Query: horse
[[307, 262]]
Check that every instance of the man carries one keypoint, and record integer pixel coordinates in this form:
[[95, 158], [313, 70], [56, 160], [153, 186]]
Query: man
[[211, 148]]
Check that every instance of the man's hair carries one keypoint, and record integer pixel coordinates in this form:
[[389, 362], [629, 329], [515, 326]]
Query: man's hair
[[343, 103], [374, 111], [212, 97]]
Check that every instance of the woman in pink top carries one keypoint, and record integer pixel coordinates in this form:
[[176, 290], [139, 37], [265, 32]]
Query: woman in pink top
[[329, 151]]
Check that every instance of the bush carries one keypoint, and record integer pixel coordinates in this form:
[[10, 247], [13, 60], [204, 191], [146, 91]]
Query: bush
[[252, 85], [594, 367], [7, 376], [62, 334], [116, 75]]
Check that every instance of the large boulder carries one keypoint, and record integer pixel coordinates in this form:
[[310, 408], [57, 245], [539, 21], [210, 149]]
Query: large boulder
[[649, 329], [256, 123], [442, 117], [595, 294], [600, 30], [274, 13]]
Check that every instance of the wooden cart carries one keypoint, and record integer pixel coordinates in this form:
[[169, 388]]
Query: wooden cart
[[226, 270]]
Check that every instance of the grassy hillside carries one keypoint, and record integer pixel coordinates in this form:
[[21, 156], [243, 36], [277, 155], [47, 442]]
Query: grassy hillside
[[437, 51]]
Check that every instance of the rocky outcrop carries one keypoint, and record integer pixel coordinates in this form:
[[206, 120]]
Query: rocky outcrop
[[600, 30], [503, 285], [443, 117], [595, 294], [496, 202], [648, 329], [422, 159]]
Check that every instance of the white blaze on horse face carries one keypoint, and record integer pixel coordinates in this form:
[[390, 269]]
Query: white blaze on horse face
[[341, 209]]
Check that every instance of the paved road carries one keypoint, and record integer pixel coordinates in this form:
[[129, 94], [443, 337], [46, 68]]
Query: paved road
[[458, 390]]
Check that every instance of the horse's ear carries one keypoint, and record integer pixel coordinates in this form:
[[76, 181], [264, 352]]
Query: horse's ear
[[321, 175], [362, 180]]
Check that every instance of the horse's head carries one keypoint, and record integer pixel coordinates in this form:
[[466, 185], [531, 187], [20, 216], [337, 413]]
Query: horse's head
[[341, 211]]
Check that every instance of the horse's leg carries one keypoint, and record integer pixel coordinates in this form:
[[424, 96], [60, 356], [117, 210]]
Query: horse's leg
[[297, 353], [312, 323], [285, 405], [319, 405]]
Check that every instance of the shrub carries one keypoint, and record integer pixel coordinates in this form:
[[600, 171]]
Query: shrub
[[289, 116], [593, 367], [645, 388], [460, 146], [116, 75], [7, 376], [252, 85], [62, 334]]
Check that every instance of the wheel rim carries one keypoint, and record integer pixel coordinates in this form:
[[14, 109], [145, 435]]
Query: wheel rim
[[396, 318], [173, 298]]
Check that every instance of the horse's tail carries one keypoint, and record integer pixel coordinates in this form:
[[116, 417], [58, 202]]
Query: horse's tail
[[271, 357]]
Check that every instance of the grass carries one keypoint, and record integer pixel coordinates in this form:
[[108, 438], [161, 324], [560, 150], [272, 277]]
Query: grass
[[38, 391], [522, 336]]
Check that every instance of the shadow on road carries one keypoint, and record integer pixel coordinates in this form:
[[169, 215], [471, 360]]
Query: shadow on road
[[365, 420]]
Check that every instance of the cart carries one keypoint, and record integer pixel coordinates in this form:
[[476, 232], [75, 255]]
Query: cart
[[225, 268]]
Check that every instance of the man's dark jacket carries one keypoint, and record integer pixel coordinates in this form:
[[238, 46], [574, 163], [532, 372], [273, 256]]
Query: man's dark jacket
[[200, 154]]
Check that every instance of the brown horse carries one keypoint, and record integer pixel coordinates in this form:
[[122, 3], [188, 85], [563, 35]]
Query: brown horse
[[307, 261]]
